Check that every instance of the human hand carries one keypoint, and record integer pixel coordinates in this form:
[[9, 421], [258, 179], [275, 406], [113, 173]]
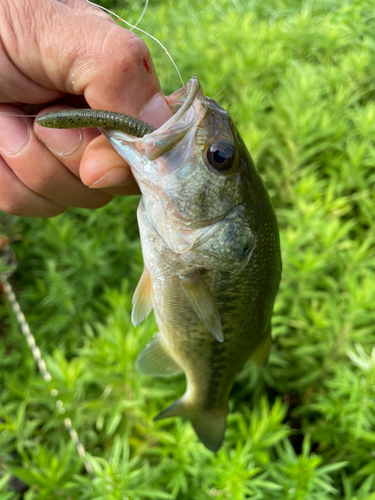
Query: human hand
[[67, 50]]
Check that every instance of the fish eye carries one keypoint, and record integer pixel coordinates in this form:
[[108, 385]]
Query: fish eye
[[220, 154]]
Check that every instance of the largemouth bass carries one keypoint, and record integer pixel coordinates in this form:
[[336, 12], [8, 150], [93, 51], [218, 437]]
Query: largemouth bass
[[211, 254]]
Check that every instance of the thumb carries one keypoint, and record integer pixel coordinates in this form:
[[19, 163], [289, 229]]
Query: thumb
[[72, 50]]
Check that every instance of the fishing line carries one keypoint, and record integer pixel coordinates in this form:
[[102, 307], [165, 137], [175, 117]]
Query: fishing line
[[19, 116], [10, 261], [142, 31], [141, 16]]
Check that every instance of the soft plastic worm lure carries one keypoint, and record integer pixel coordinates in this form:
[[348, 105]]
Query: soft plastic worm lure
[[86, 118]]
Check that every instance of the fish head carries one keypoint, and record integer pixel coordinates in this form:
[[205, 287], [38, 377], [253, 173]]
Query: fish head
[[194, 173]]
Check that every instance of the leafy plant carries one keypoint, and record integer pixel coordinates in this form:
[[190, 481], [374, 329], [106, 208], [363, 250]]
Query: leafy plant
[[298, 78]]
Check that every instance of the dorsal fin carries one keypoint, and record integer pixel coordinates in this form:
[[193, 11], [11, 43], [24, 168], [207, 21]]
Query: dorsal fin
[[142, 299], [203, 303]]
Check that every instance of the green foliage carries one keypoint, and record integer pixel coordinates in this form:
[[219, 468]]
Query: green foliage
[[298, 78]]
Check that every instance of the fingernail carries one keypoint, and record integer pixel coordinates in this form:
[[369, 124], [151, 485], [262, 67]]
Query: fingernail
[[14, 134], [156, 112], [118, 176], [61, 142]]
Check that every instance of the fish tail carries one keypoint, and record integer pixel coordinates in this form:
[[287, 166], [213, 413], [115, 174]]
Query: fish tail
[[209, 424]]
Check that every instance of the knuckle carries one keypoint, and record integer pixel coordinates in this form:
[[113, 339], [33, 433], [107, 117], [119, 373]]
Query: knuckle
[[138, 51], [138, 47], [130, 59]]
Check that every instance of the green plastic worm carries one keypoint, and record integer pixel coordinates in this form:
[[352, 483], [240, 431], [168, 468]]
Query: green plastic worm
[[86, 118]]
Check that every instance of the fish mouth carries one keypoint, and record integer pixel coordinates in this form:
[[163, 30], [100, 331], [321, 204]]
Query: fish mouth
[[188, 107]]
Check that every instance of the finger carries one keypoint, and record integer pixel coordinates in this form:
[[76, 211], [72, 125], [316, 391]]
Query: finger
[[95, 162], [17, 199], [101, 167], [39, 170], [91, 162], [79, 53], [68, 145]]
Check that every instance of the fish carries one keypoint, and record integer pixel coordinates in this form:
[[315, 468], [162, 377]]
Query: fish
[[211, 251]]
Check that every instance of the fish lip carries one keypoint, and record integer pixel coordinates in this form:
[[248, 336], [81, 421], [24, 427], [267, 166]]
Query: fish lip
[[191, 89]]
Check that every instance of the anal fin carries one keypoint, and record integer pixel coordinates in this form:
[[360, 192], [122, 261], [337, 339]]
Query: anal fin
[[203, 303], [142, 299], [155, 360]]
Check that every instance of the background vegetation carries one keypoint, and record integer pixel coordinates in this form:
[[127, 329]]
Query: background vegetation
[[298, 79]]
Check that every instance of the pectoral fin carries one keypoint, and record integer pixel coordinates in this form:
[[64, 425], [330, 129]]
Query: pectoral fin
[[142, 299], [155, 360], [203, 303]]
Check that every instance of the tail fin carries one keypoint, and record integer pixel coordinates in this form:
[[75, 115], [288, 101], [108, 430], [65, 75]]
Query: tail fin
[[209, 425]]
